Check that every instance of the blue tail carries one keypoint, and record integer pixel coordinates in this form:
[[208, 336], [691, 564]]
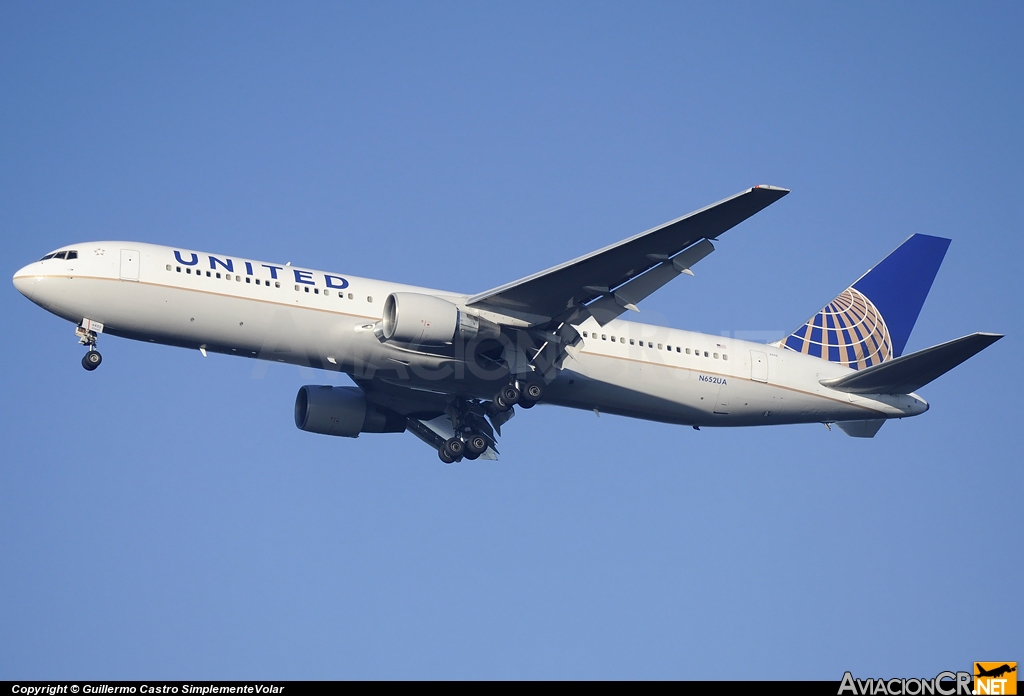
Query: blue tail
[[871, 320]]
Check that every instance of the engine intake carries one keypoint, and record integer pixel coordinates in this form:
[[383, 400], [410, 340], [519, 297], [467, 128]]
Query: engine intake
[[426, 320], [342, 411]]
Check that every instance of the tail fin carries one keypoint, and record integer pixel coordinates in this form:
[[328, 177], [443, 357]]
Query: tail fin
[[870, 321]]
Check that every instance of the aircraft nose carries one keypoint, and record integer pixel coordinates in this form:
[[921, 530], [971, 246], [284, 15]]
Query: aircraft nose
[[24, 281]]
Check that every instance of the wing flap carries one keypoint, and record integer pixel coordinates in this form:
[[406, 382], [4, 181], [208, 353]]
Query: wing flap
[[865, 428], [628, 295], [909, 373]]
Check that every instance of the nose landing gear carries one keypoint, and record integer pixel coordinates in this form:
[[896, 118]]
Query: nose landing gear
[[91, 360], [87, 333]]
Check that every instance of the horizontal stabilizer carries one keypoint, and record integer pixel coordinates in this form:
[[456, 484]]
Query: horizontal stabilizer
[[909, 373]]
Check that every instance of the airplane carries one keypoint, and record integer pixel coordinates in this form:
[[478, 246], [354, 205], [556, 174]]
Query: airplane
[[451, 368], [995, 672]]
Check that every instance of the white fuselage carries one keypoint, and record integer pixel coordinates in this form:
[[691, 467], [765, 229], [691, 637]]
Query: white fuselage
[[326, 320]]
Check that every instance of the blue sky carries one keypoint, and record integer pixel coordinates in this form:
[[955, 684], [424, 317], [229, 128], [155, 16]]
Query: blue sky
[[163, 517]]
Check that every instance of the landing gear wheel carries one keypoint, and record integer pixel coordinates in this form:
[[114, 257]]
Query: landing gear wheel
[[91, 360], [510, 394], [475, 446], [499, 403], [454, 448], [526, 403], [533, 392], [445, 457]]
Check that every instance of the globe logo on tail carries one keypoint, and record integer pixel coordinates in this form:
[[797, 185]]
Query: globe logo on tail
[[849, 330]]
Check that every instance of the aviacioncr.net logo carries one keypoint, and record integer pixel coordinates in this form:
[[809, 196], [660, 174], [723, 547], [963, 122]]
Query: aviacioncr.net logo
[[943, 684]]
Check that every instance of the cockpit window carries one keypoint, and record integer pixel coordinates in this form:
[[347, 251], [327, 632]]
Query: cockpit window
[[68, 255]]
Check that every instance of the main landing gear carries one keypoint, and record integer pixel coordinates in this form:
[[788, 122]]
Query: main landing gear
[[522, 392], [475, 422], [473, 434], [87, 337], [468, 444]]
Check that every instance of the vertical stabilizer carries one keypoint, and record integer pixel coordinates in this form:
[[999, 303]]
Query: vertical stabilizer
[[870, 322]]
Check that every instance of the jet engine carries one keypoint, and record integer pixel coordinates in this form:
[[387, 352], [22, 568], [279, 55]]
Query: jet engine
[[342, 411], [426, 320]]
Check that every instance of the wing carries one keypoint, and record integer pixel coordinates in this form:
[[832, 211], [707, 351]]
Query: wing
[[614, 276]]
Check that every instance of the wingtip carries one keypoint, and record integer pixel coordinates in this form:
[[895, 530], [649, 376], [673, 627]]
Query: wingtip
[[769, 187]]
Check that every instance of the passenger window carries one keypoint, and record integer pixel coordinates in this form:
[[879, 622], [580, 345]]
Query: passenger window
[[716, 356], [369, 299], [247, 278], [725, 356], [659, 346], [604, 337], [350, 296], [632, 342], [678, 349], [178, 269], [584, 334], [622, 339], [613, 339], [650, 345], [218, 275], [189, 271], [306, 289], [687, 351], [277, 283], [238, 278], [168, 267], [705, 354], [316, 291], [74, 255], [207, 274]]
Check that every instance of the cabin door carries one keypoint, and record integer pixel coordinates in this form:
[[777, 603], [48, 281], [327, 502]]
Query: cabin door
[[758, 366], [129, 264]]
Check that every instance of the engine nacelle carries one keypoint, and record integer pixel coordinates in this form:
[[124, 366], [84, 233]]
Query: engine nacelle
[[426, 320], [342, 411]]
